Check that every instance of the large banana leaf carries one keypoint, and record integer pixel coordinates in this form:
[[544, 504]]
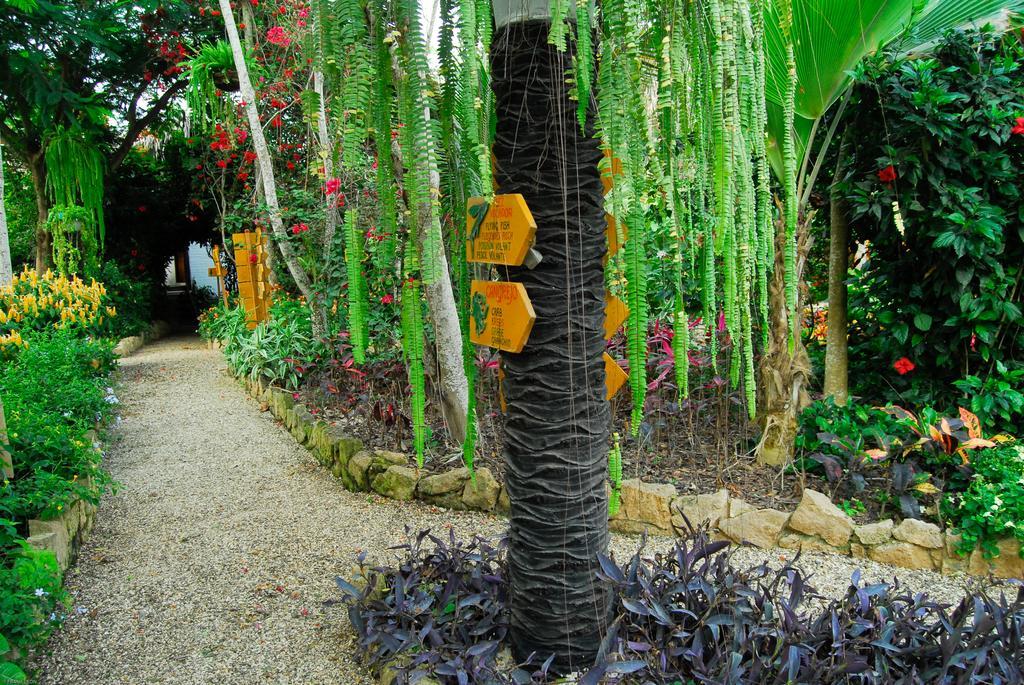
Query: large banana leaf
[[832, 36]]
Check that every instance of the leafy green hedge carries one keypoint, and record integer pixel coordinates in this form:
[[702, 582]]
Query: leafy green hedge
[[54, 392]]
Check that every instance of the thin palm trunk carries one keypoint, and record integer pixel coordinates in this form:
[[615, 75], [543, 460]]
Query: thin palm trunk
[[837, 348], [557, 423]]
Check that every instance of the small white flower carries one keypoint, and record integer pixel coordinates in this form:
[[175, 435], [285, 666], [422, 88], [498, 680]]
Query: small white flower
[[998, 501], [53, 617], [40, 592], [1009, 524]]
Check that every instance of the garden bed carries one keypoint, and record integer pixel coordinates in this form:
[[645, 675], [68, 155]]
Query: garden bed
[[814, 524]]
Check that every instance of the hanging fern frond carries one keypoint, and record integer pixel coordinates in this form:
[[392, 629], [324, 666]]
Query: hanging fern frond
[[74, 177], [357, 294], [615, 476], [412, 346]]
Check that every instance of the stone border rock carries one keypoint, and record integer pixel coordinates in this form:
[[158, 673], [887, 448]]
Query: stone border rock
[[64, 534], [131, 344], [815, 525]]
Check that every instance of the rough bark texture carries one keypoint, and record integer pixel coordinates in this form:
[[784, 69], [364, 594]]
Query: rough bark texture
[[557, 423], [6, 270], [784, 373], [266, 172], [44, 241], [836, 351]]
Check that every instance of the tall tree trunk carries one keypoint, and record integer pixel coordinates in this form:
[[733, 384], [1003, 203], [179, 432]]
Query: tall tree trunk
[[784, 371], [6, 269], [44, 240], [266, 171], [836, 350], [557, 423]]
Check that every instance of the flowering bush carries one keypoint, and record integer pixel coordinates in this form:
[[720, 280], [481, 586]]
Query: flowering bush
[[51, 301], [937, 200]]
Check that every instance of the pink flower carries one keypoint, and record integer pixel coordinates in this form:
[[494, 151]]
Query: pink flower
[[277, 36], [387, 299]]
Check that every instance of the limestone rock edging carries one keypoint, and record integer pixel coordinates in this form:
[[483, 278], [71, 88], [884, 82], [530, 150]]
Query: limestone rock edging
[[132, 344], [816, 525]]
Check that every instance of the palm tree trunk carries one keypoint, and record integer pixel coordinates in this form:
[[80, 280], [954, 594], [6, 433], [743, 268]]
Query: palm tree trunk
[[6, 269], [837, 350], [785, 369], [557, 423], [266, 172]]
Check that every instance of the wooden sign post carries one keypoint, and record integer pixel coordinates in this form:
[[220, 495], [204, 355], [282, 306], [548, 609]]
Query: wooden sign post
[[217, 271], [499, 232], [501, 315]]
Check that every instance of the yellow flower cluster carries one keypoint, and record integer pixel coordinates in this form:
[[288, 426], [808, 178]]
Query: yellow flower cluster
[[34, 302]]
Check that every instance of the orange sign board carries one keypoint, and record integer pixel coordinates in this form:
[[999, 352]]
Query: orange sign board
[[501, 315], [612, 234], [615, 314], [500, 232], [614, 376]]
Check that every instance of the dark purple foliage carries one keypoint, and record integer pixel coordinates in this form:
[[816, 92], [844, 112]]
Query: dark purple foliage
[[686, 616]]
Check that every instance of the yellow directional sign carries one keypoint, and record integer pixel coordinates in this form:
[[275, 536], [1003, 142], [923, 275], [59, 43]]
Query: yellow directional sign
[[615, 377], [615, 314], [499, 232], [501, 315]]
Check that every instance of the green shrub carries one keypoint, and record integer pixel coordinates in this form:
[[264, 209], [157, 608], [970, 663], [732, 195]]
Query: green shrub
[[998, 400], [992, 506], [132, 298], [938, 282], [54, 392]]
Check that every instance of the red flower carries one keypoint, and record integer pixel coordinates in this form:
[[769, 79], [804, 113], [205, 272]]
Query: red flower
[[332, 186], [1019, 128], [253, 258], [387, 299], [276, 122], [134, 253], [290, 166], [249, 156], [888, 174], [903, 366], [221, 163], [142, 209], [277, 36], [243, 176], [199, 166]]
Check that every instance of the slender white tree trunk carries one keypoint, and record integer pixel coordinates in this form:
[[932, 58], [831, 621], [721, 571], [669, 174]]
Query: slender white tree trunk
[[266, 170], [327, 156], [6, 270]]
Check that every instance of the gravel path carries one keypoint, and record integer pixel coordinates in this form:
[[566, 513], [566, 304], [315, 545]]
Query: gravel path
[[212, 561]]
